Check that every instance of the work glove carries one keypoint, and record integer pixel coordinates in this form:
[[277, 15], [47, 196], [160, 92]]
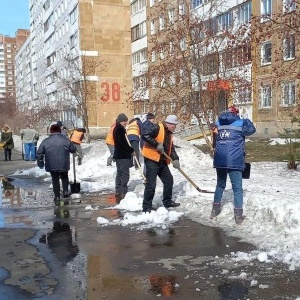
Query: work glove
[[176, 164], [160, 148]]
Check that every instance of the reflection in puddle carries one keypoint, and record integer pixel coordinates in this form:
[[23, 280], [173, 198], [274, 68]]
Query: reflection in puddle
[[15, 196], [163, 284], [232, 291], [61, 240], [161, 237]]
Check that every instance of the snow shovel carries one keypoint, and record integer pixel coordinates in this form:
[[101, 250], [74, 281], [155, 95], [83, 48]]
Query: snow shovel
[[75, 186], [188, 178], [137, 161]]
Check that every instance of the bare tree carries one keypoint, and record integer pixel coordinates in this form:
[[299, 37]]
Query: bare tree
[[78, 76], [198, 61]]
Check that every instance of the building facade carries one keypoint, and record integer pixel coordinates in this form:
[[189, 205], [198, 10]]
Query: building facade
[[276, 65], [65, 31], [8, 48]]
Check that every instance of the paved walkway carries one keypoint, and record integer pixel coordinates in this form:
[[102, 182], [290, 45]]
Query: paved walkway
[[10, 167]]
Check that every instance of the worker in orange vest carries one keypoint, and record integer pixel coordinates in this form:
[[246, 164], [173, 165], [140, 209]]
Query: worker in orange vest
[[110, 144], [133, 133], [76, 138]]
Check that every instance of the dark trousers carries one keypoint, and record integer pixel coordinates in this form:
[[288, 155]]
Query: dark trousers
[[136, 147], [122, 177], [154, 169], [7, 154], [55, 182]]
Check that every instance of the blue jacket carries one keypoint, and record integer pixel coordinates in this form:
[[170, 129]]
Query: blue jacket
[[230, 141], [54, 153], [146, 126]]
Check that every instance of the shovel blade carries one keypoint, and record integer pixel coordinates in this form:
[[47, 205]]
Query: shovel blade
[[75, 188]]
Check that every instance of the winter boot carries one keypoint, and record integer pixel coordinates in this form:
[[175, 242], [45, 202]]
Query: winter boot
[[57, 200], [238, 216], [216, 209], [79, 161]]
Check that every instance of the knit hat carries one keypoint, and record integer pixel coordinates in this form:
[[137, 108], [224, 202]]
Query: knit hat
[[121, 118], [59, 123], [55, 128], [234, 110], [150, 116], [171, 119]]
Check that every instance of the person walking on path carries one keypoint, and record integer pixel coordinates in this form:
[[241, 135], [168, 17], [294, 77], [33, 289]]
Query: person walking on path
[[76, 138], [229, 158], [123, 156], [54, 154], [133, 133], [29, 137], [159, 140], [7, 141], [110, 144]]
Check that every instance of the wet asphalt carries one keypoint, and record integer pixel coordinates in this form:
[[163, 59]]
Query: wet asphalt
[[63, 253]]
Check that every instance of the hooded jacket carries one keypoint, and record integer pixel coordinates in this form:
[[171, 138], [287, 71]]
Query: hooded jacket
[[7, 138], [230, 141], [55, 151]]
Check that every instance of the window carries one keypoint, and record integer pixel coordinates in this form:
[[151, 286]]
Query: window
[[161, 22], [225, 21], [210, 65], [288, 93], [171, 16], [181, 9], [153, 56], [182, 44], [266, 53], [243, 94], [152, 27], [289, 5], [195, 3], [151, 3], [154, 82], [266, 96], [73, 40], [73, 15], [135, 33], [266, 9], [244, 13], [134, 7], [289, 47]]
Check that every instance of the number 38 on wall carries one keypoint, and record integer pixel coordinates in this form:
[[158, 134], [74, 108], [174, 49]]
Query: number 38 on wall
[[110, 91]]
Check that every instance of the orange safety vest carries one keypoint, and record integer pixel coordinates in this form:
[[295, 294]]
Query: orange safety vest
[[110, 137], [150, 152], [133, 128], [75, 137]]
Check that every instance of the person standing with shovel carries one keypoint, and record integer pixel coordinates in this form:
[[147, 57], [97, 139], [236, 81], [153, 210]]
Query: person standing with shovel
[[159, 140], [54, 154]]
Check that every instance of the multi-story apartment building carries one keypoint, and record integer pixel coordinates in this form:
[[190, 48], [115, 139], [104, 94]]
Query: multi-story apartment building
[[276, 65], [201, 51], [79, 30], [8, 48]]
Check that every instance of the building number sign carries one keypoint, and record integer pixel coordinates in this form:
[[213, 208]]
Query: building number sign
[[111, 91]]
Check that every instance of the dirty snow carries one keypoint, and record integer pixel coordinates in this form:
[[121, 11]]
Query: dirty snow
[[271, 203]]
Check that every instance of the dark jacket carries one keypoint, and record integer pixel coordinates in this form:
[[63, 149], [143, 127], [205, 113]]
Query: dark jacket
[[146, 125], [55, 150], [230, 141], [149, 135], [7, 138], [122, 148]]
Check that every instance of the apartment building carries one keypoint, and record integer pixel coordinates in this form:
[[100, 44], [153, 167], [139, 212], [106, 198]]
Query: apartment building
[[8, 48], [79, 30], [199, 50], [276, 66]]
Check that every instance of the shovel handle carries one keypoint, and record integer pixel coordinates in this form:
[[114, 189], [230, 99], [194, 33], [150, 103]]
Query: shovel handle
[[74, 173]]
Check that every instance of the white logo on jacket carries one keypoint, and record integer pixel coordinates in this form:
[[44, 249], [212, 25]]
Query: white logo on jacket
[[224, 134]]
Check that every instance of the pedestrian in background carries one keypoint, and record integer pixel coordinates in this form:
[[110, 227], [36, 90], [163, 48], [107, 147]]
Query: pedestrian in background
[[110, 144], [133, 133], [63, 129], [76, 138], [229, 158], [29, 137], [54, 154], [159, 140], [123, 156], [7, 141]]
